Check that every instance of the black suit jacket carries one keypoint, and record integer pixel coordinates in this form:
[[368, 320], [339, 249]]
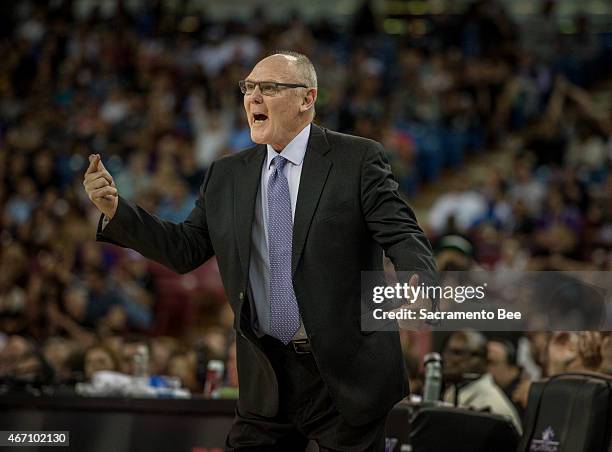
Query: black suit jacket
[[348, 210]]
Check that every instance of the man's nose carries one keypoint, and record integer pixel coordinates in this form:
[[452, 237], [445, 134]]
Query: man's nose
[[256, 95]]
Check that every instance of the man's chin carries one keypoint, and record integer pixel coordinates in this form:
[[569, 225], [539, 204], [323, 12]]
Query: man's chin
[[258, 137]]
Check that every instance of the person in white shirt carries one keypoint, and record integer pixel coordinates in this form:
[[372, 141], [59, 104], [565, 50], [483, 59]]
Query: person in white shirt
[[465, 362]]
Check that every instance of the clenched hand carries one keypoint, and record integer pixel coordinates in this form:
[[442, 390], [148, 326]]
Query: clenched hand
[[100, 187]]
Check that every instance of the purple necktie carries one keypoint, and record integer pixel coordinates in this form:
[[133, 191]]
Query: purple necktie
[[284, 312]]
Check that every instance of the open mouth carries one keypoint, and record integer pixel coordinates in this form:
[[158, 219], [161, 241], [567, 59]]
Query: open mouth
[[259, 118]]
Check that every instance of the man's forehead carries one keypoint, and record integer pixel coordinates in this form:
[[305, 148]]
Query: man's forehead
[[495, 349], [457, 341], [274, 66]]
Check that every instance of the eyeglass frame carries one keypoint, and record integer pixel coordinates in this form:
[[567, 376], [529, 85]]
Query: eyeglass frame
[[466, 353], [242, 86]]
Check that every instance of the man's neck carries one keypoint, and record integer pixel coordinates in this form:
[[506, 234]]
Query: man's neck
[[514, 375], [279, 147]]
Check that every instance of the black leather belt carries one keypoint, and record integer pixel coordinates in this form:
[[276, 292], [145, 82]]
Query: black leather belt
[[301, 346]]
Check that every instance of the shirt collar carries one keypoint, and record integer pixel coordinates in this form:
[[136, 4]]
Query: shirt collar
[[294, 151]]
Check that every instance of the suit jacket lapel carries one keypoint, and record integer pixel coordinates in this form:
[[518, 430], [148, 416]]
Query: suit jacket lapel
[[246, 187], [312, 180]]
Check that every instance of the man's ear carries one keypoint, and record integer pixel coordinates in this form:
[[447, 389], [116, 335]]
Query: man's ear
[[309, 99]]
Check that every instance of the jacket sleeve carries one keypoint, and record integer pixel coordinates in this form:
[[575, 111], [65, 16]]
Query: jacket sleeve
[[181, 247], [389, 219]]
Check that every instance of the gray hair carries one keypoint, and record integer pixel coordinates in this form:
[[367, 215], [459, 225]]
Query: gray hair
[[304, 66]]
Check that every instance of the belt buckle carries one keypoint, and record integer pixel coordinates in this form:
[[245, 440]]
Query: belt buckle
[[296, 346]]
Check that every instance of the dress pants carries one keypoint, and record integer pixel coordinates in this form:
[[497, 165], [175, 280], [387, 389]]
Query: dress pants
[[306, 412]]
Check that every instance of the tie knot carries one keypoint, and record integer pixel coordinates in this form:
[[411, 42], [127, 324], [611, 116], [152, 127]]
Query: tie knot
[[279, 162]]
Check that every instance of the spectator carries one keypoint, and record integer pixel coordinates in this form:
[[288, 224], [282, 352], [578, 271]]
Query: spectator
[[33, 367], [181, 365], [564, 353], [465, 357], [215, 341], [162, 348], [99, 357], [58, 352], [15, 348], [502, 365], [606, 353]]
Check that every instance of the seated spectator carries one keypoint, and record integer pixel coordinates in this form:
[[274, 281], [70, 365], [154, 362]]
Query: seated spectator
[[181, 365], [162, 348], [33, 367], [99, 357], [563, 353], [15, 348], [465, 359], [606, 353], [114, 343], [572, 351], [501, 356], [215, 340], [58, 351]]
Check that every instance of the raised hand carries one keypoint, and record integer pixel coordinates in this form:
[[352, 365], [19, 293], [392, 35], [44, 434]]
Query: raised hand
[[100, 187]]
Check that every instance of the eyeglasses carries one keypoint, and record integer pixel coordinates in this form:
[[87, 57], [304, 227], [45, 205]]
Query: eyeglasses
[[266, 88], [460, 352]]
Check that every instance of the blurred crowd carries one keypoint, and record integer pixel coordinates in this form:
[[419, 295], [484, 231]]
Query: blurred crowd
[[154, 91], [550, 208]]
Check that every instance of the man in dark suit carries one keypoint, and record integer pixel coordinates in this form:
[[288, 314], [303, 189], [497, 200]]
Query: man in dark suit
[[293, 221]]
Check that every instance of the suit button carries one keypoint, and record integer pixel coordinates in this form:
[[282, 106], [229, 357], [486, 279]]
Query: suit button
[[241, 296]]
